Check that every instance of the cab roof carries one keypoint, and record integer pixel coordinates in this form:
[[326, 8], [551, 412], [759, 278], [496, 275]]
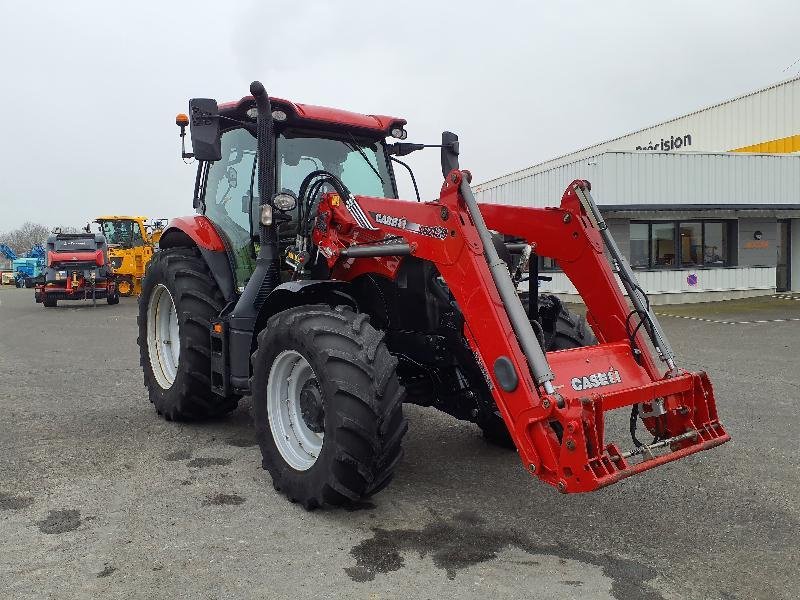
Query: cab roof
[[321, 117], [120, 218]]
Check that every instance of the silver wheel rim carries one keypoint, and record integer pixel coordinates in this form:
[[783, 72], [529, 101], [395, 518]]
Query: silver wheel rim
[[163, 337], [298, 444]]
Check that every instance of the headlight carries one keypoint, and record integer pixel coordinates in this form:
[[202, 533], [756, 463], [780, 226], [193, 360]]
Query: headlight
[[284, 201], [399, 133]]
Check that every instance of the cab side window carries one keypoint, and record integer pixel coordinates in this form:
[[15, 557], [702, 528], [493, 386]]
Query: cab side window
[[227, 199]]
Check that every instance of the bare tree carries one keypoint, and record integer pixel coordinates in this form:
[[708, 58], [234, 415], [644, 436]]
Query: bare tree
[[26, 236]]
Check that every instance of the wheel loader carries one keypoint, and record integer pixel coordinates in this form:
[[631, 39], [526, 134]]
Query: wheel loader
[[131, 242], [305, 283]]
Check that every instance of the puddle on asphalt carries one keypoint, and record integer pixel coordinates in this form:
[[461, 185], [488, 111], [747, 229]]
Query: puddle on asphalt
[[184, 454], [209, 462], [465, 540], [60, 521], [11, 502], [241, 441], [223, 499]]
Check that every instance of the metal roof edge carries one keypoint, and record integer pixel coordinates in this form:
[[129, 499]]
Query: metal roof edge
[[525, 171]]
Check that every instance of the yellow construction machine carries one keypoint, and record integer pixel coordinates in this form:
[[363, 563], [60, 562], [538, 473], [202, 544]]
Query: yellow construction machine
[[131, 242]]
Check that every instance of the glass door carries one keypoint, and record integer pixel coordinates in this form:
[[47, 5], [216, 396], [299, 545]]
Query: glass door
[[783, 270]]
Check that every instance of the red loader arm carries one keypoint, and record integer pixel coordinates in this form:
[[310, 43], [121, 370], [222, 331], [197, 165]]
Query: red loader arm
[[678, 408]]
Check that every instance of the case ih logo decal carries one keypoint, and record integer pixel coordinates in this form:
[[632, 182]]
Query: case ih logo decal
[[434, 231], [398, 222], [596, 380]]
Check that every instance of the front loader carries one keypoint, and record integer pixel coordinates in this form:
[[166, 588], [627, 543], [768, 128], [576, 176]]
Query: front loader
[[304, 282]]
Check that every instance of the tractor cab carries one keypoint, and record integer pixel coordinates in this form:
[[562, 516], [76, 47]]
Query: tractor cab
[[123, 232], [307, 139]]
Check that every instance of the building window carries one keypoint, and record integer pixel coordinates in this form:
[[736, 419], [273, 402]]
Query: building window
[[662, 236], [691, 236], [548, 264], [640, 239], [715, 244], [673, 244]]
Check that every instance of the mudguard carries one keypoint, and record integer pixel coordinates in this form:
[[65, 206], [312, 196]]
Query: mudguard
[[199, 231]]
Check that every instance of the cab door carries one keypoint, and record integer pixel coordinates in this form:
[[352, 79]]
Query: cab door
[[229, 197]]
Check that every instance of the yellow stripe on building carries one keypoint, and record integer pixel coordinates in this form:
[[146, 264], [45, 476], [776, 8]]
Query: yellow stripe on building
[[781, 146]]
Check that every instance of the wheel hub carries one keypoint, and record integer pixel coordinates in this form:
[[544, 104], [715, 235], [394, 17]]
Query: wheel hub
[[295, 409], [311, 408]]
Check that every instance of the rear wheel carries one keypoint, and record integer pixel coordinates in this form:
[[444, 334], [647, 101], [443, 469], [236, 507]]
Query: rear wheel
[[327, 405], [563, 330], [179, 298], [125, 285], [49, 303]]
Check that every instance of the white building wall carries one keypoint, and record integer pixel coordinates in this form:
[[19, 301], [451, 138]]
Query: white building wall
[[766, 115], [653, 179], [670, 286]]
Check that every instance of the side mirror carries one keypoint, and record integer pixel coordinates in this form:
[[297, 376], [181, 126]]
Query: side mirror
[[449, 152], [204, 128]]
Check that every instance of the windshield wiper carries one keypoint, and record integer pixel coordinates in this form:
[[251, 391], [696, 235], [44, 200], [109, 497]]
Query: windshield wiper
[[357, 148]]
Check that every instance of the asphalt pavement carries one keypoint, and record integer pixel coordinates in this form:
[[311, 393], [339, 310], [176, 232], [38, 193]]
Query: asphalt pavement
[[100, 498]]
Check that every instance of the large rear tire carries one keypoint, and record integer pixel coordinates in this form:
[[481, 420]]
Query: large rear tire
[[567, 330], [179, 298], [328, 406]]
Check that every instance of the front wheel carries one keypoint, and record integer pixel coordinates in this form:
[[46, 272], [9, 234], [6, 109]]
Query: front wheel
[[179, 298], [327, 405], [113, 298], [562, 330]]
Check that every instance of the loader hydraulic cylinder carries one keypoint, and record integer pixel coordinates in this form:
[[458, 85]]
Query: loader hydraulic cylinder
[[540, 369], [626, 275]]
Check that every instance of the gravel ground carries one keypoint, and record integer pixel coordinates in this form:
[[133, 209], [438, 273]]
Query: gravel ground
[[100, 498]]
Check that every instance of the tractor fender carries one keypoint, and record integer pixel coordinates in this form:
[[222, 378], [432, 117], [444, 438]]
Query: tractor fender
[[200, 233], [308, 291]]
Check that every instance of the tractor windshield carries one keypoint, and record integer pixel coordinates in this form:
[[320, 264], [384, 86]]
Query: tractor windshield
[[122, 232], [361, 165]]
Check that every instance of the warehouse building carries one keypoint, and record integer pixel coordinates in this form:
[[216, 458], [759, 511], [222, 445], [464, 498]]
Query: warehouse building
[[705, 206]]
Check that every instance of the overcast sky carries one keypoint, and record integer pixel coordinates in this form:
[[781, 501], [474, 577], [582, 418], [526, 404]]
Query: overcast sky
[[90, 89]]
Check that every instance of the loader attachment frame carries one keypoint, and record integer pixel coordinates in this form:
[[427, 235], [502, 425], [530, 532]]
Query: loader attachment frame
[[532, 390]]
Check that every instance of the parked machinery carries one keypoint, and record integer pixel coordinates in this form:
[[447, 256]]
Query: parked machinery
[[77, 269], [131, 243], [305, 283]]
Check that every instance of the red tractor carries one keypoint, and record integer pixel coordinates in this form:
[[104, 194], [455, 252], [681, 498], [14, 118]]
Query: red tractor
[[331, 302]]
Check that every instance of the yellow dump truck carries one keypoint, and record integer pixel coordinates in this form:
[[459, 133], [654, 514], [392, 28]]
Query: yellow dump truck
[[131, 242]]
